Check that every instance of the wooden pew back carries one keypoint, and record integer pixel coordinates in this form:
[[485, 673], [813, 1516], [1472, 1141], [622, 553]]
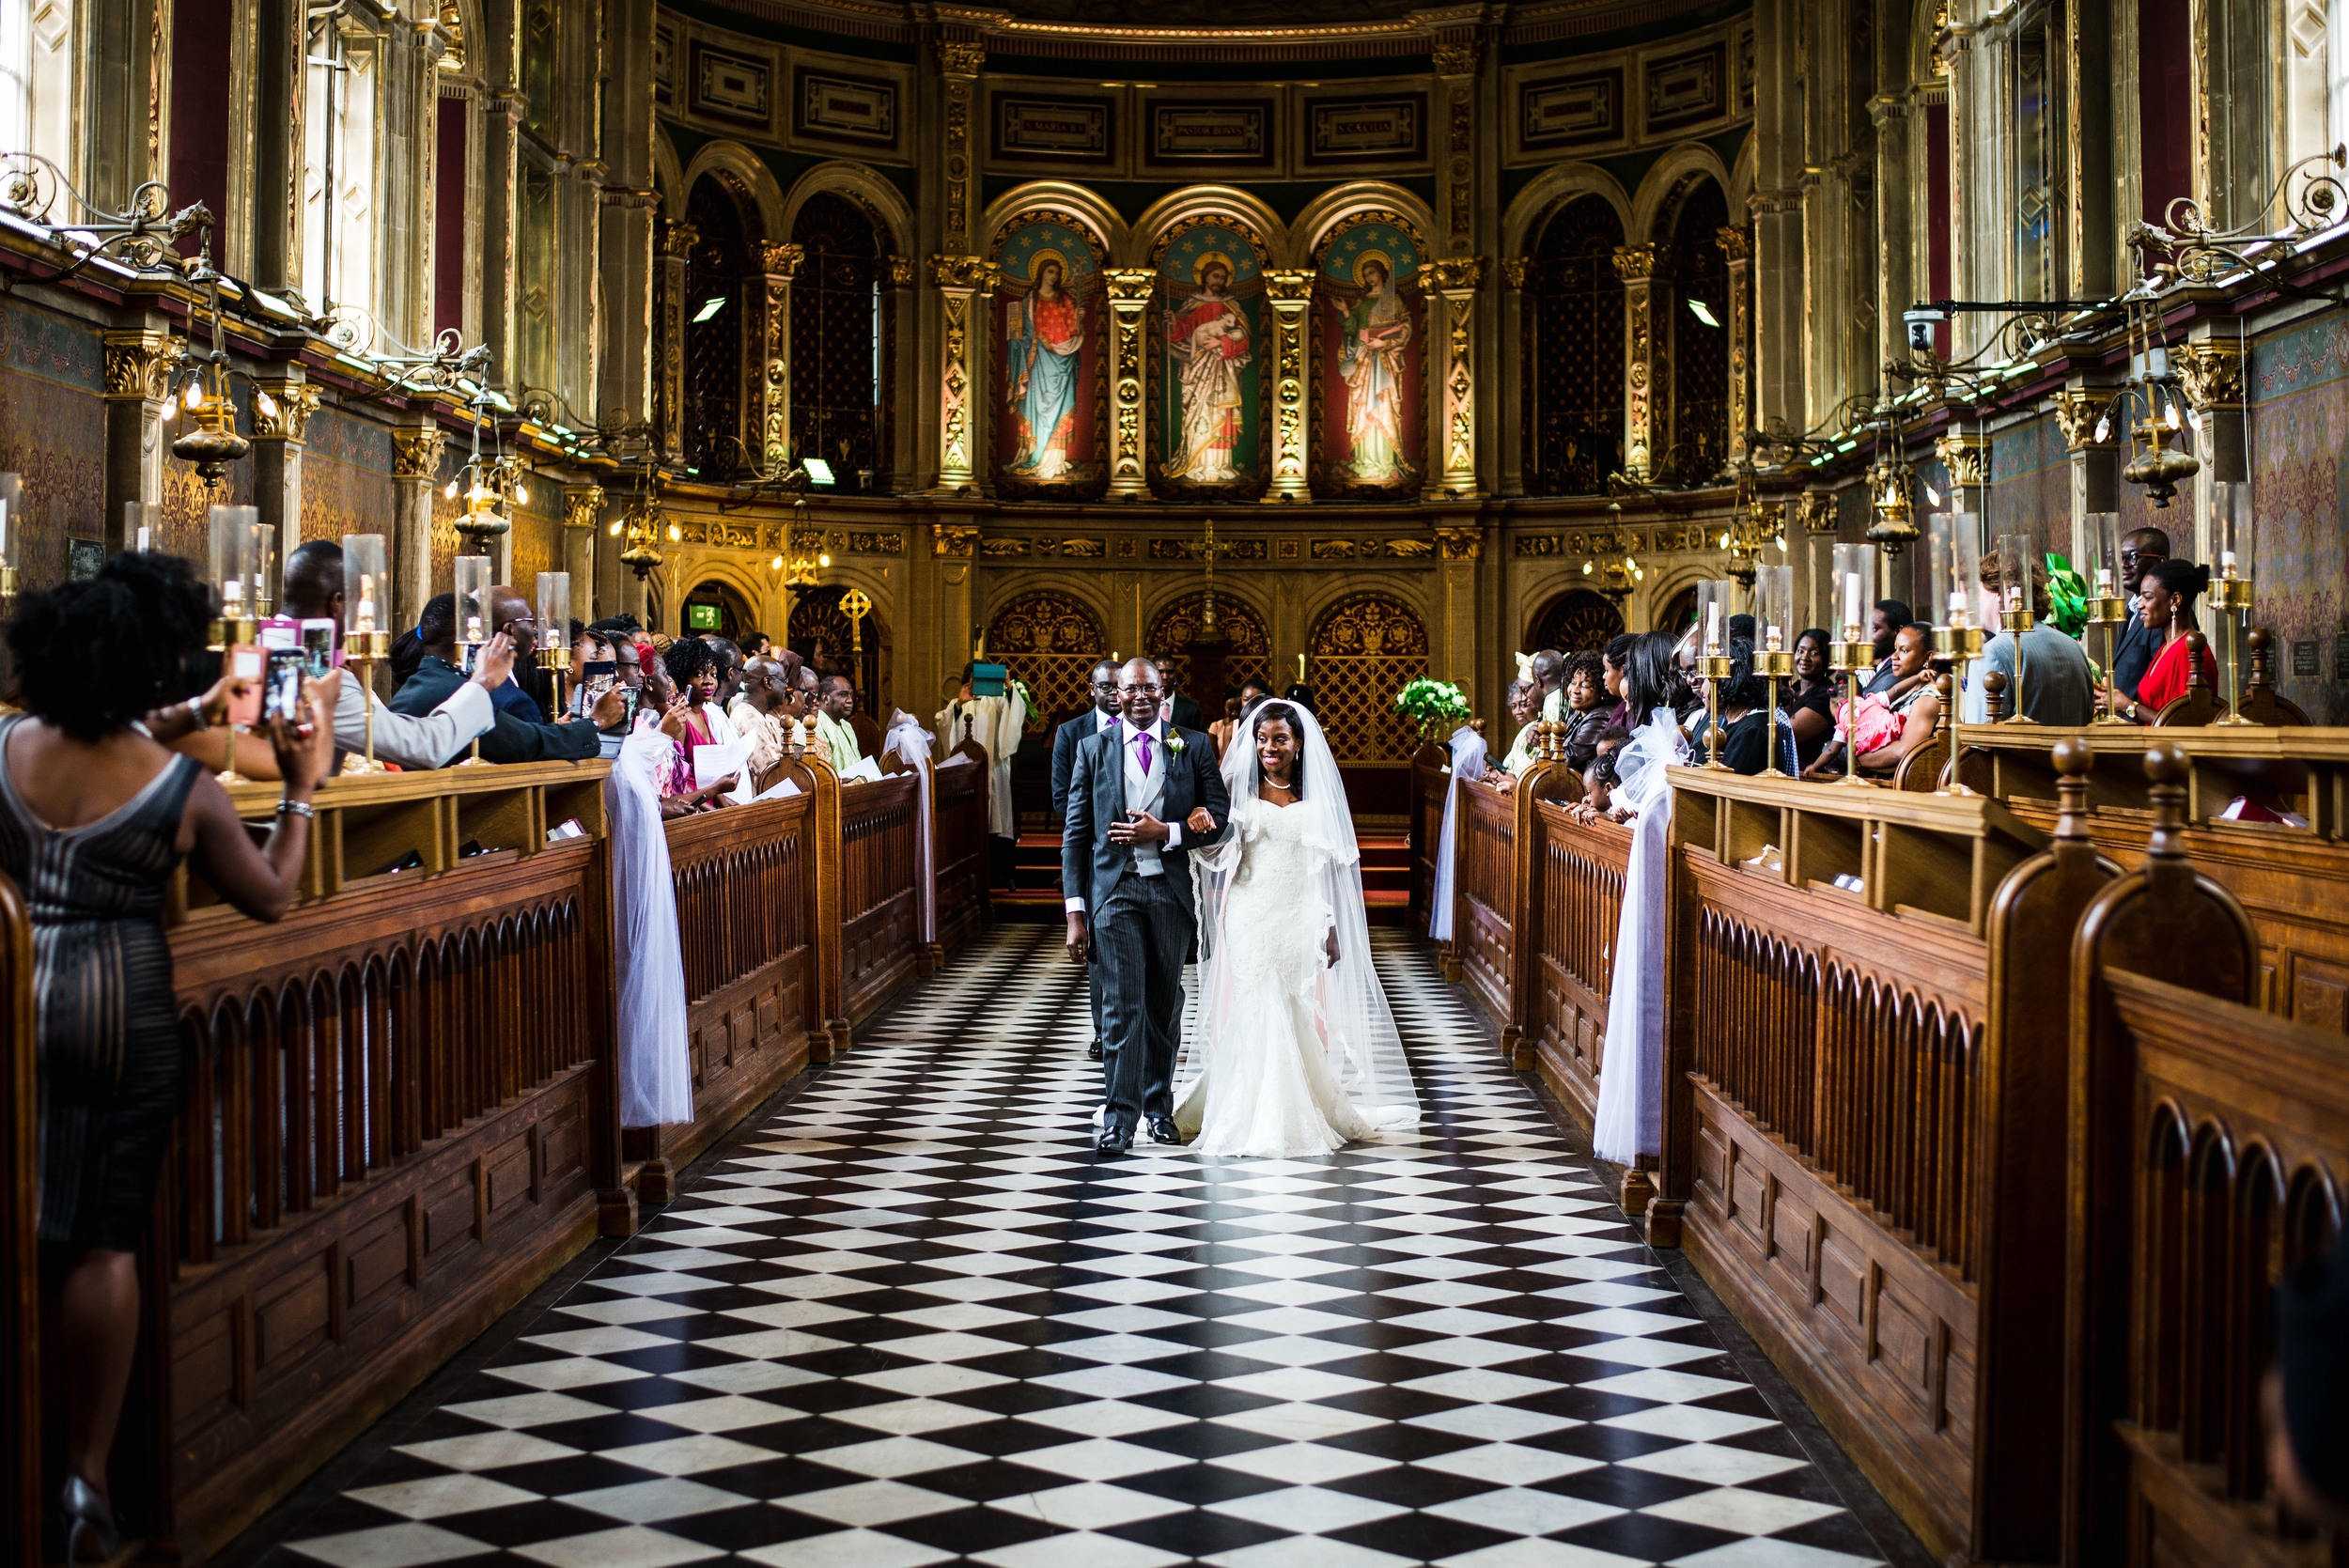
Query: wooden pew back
[[959, 840]]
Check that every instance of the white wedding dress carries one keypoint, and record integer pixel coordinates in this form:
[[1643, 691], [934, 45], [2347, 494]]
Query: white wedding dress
[[1292, 1057]]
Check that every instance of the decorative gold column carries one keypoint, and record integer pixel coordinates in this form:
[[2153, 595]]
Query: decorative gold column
[[963, 282], [1129, 299], [582, 515], [1291, 293], [899, 361], [1455, 66], [958, 66], [138, 385], [277, 456], [1458, 549], [1515, 370], [676, 241], [768, 392], [1637, 266], [415, 473], [2212, 371], [1737, 246], [1451, 282], [1967, 455]]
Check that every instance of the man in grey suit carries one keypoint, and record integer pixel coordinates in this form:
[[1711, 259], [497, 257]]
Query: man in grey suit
[[1126, 844], [1064, 743]]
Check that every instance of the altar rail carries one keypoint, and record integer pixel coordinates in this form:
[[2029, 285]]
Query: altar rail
[[402, 1106]]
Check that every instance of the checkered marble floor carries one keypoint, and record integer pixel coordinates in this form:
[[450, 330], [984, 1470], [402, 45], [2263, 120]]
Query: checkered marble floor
[[914, 1320]]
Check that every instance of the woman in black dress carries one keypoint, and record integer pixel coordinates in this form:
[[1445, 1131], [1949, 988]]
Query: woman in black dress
[[95, 814], [1810, 696]]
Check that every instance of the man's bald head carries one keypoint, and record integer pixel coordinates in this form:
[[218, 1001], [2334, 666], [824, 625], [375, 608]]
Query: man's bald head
[[1138, 692], [1550, 668], [511, 613], [313, 584]]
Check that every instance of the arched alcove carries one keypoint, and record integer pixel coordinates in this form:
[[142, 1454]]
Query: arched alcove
[[1177, 626], [839, 368], [1573, 326], [1366, 647], [822, 633], [1052, 641], [728, 613], [1575, 621]]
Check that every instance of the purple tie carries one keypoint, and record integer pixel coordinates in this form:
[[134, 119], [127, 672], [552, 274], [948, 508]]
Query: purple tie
[[1142, 737]]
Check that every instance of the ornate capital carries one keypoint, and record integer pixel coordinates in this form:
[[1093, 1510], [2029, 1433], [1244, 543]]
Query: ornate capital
[[296, 402], [1786, 198], [2077, 414], [1513, 270], [1636, 263], [962, 59], [1966, 457], [1287, 287], [677, 239], [958, 540], [1815, 511], [139, 365], [2212, 374], [1736, 243], [416, 454], [780, 260], [1450, 274], [1457, 59], [964, 272], [898, 271], [1129, 282], [580, 504], [1460, 543], [627, 196]]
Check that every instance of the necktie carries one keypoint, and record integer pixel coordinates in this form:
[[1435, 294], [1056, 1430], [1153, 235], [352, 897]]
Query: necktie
[[1143, 739]]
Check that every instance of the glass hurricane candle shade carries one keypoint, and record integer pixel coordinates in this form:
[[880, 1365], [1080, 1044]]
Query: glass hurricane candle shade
[[472, 600], [366, 596], [554, 619], [234, 564]]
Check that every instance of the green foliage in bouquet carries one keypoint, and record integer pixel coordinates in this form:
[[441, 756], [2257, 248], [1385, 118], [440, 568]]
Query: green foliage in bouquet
[[2067, 596], [1432, 704]]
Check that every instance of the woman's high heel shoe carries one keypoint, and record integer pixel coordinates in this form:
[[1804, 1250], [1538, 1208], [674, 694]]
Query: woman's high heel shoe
[[87, 1518]]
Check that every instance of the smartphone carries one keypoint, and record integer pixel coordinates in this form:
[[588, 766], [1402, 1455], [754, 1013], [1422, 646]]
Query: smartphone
[[244, 663], [281, 689], [319, 653]]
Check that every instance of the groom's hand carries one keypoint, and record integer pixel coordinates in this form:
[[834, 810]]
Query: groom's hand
[[1076, 939], [1140, 828], [1329, 948], [1200, 820]]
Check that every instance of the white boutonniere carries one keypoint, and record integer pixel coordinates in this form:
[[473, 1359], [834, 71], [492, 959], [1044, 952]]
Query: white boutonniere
[[1174, 742]]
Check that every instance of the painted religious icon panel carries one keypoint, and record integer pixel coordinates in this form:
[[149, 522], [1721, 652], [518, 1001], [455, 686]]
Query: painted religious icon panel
[[1369, 360], [1048, 323], [1212, 342]]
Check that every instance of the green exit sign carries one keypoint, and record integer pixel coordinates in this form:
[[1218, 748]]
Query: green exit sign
[[700, 617]]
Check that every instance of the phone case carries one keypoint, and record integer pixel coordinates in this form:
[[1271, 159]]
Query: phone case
[[247, 663]]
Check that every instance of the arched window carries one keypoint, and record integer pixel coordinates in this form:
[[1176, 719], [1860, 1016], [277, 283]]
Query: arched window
[[822, 634], [1366, 648], [1574, 352], [37, 65], [713, 331], [1051, 642], [340, 173], [1248, 654], [837, 305], [1699, 339]]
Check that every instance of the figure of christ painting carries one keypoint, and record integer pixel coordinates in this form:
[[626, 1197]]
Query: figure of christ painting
[[1047, 296], [1210, 344], [1371, 415]]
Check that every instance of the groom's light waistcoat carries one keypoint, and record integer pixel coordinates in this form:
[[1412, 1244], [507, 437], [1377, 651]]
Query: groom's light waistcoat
[[1146, 792]]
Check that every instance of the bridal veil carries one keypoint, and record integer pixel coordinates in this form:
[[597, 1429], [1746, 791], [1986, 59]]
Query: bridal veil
[[1365, 1052]]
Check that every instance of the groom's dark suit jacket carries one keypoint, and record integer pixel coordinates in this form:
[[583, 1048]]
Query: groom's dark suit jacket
[[1090, 863]]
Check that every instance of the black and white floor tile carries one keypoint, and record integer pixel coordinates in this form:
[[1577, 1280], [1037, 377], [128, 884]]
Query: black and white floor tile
[[915, 1320]]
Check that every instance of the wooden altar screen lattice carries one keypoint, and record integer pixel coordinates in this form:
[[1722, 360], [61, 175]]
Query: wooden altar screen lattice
[[1366, 648], [1576, 621], [1051, 642], [1177, 625]]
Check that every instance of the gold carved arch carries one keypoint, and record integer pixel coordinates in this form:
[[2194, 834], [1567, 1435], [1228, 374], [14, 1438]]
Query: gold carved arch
[[1366, 647], [1175, 627], [1052, 641]]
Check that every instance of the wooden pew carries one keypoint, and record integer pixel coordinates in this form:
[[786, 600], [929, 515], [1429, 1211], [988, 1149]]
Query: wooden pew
[[958, 855], [20, 1295], [1492, 886], [1864, 1124], [401, 1116], [2293, 882], [1431, 777], [1578, 904], [2205, 1132], [879, 939]]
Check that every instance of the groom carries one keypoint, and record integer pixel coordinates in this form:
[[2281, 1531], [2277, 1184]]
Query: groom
[[1125, 878]]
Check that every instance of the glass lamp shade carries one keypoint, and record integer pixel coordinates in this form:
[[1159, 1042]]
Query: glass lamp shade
[[473, 597], [2015, 574], [1773, 609], [1854, 567], [234, 561], [554, 617], [1953, 568], [2102, 537], [367, 584]]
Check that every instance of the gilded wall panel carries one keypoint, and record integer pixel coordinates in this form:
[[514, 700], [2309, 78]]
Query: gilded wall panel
[[53, 432]]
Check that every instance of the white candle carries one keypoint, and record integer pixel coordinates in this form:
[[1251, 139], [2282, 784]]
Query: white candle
[[1769, 644], [1853, 614], [1713, 626], [232, 594], [2225, 563], [473, 630], [1957, 609], [141, 541], [367, 602], [2104, 582]]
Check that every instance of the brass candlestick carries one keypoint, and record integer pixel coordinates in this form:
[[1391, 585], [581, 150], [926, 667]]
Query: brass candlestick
[[1848, 658], [2018, 622], [2107, 611], [472, 655], [228, 633], [365, 648], [1713, 668], [1774, 666], [2232, 596]]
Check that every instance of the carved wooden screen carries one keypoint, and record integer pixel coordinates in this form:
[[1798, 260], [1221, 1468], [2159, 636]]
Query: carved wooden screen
[[834, 324], [1250, 656], [1574, 621], [1051, 642], [1699, 273], [817, 617], [1366, 648], [1574, 365], [713, 348]]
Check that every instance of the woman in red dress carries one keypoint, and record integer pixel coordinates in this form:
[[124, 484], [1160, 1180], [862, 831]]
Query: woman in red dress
[[2170, 588]]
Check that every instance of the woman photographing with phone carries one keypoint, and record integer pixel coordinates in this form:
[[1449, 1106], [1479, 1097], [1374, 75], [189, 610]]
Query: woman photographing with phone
[[96, 812]]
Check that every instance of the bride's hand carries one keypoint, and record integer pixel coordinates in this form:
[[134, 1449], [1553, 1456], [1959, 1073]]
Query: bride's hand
[[1200, 821], [1329, 948]]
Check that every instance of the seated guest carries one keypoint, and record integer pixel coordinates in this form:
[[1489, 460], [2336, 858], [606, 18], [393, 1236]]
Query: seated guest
[[762, 716], [835, 704], [693, 670], [1810, 696], [1884, 624], [2169, 589], [511, 615], [313, 590], [1747, 723], [1611, 661], [1586, 712], [1222, 731], [95, 815], [513, 736], [2056, 686], [666, 709], [1598, 780], [2133, 651], [1912, 698], [729, 667], [1547, 672], [1524, 713], [1253, 692], [756, 645], [1745, 626]]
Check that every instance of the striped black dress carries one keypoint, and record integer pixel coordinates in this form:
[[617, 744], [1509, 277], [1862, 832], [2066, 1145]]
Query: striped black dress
[[110, 1057]]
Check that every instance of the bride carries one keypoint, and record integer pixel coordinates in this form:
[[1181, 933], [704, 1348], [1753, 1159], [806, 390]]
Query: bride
[[1295, 1052]]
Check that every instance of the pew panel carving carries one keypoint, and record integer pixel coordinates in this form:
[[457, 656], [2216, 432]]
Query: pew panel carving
[[1430, 778], [1485, 886], [958, 846], [1581, 899], [879, 939]]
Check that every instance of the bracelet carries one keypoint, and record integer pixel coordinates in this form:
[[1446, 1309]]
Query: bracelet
[[296, 808], [195, 714]]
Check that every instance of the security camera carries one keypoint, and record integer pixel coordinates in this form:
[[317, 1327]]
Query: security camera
[[1921, 320]]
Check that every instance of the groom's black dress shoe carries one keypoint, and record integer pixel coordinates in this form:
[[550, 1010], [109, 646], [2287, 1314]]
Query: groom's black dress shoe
[[1115, 1139], [1094, 1050], [1162, 1130]]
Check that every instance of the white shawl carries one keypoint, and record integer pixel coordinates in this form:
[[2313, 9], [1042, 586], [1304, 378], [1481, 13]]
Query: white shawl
[[656, 1063], [1630, 1118], [911, 743], [1468, 763]]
